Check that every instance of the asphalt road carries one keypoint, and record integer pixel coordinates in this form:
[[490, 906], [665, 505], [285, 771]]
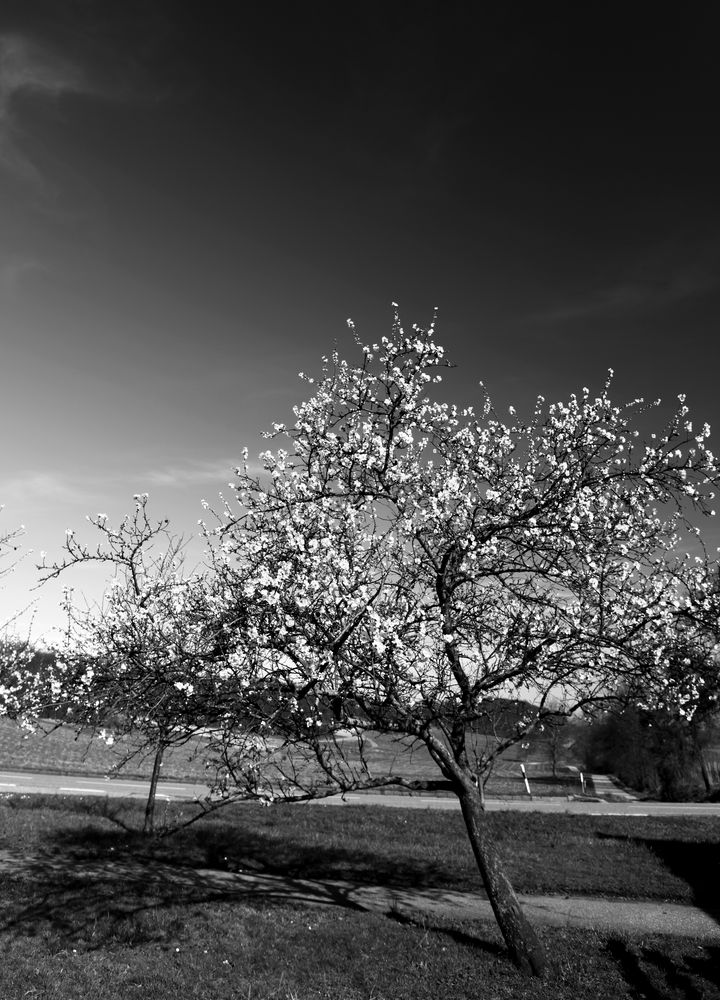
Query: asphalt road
[[547, 805], [73, 784], [64, 784]]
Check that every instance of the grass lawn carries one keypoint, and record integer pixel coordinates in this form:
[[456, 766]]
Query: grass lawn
[[630, 857], [66, 935], [218, 950]]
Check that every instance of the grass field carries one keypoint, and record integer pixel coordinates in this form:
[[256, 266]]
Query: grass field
[[64, 934], [62, 750]]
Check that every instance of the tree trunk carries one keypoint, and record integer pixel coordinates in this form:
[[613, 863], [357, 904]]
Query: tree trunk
[[705, 771], [523, 944], [149, 825]]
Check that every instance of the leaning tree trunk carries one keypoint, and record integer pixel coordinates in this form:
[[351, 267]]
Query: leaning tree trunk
[[523, 944], [149, 824]]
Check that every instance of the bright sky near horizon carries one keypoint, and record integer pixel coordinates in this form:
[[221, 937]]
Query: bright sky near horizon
[[194, 198]]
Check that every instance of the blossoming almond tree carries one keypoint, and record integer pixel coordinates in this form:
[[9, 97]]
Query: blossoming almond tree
[[404, 566]]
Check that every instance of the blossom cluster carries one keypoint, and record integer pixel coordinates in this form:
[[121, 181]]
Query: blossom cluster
[[399, 551]]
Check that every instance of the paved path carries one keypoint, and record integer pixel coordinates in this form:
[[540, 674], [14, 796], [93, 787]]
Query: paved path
[[566, 911], [635, 918], [608, 787]]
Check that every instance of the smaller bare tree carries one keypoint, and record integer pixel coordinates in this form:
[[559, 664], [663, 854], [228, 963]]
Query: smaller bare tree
[[139, 670]]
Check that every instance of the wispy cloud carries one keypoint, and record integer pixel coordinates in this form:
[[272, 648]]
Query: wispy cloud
[[29, 68], [30, 487], [191, 473], [13, 271], [47, 488], [652, 283]]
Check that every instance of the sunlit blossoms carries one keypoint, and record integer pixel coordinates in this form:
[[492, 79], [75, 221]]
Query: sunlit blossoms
[[407, 566], [403, 551], [23, 692]]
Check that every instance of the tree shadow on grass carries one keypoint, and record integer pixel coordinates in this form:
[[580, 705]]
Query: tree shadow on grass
[[249, 847], [120, 812], [102, 880], [89, 901], [103, 904], [114, 810], [697, 864], [681, 971]]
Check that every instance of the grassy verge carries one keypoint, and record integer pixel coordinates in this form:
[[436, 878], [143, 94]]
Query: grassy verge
[[65, 934], [675, 859]]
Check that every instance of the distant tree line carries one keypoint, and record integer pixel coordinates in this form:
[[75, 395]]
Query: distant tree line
[[657, 752]]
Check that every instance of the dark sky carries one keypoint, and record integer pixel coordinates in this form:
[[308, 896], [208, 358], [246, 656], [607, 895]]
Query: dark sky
[[195, 196]]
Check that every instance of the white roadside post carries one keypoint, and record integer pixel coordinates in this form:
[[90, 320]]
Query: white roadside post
[[525, 779]]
